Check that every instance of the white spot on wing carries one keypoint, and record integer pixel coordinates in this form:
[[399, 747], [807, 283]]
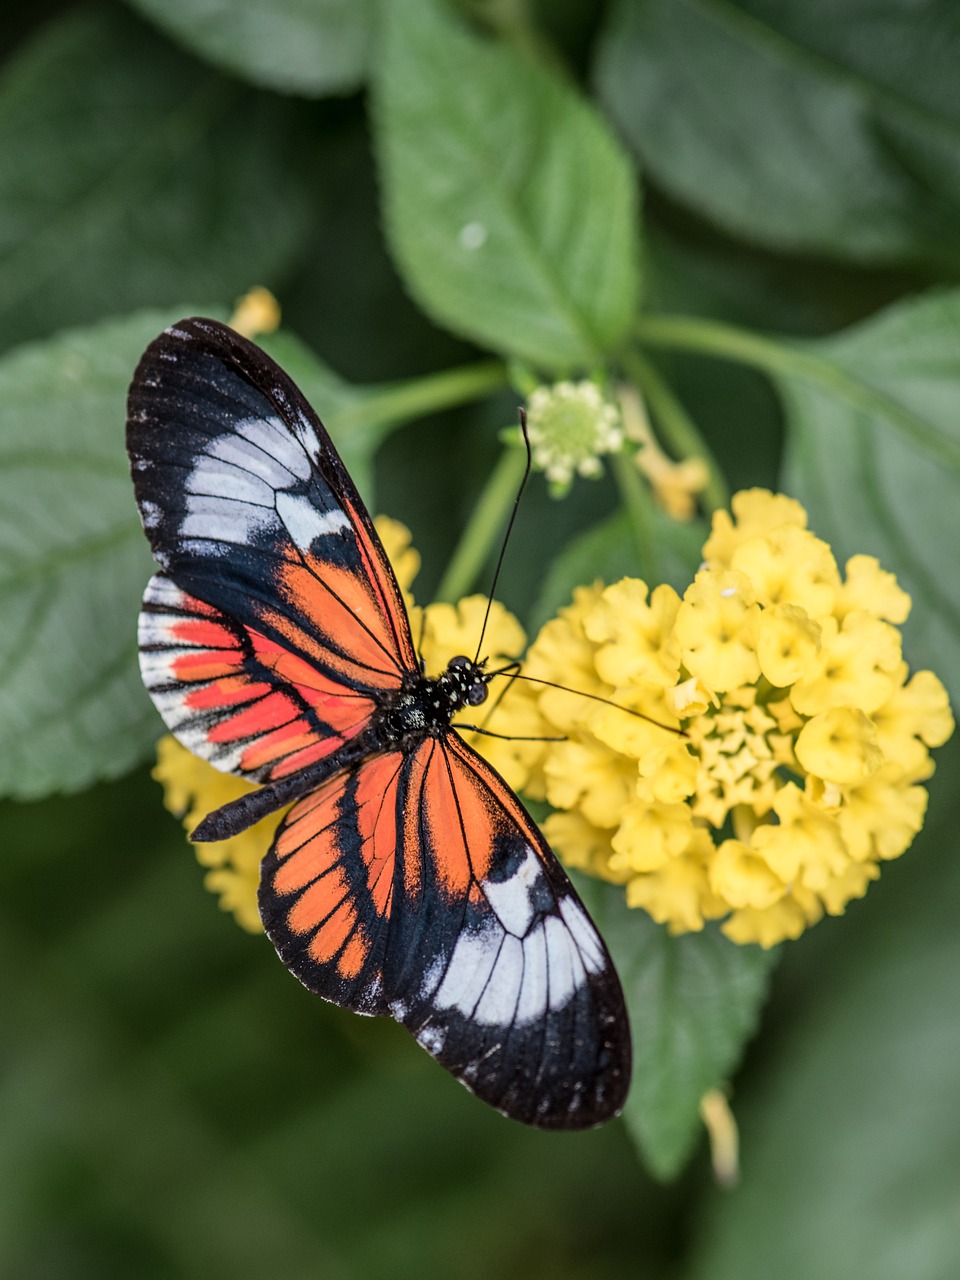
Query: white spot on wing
[[225, 479], [565, 972], [432, 1039], [499, 1000], [151, 514], [468, 969], [261, 452], [273, 437], [305, 523], [533, 993], [155, 668], [510, 898], [161, 591], [305, 433], [584, 934], [220, 520]]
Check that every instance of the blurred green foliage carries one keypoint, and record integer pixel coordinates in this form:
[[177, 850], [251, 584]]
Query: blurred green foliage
[[435, 193]]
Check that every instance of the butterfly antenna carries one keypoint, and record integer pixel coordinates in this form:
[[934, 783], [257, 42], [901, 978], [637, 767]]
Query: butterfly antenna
[[582, 693], [506, 536]]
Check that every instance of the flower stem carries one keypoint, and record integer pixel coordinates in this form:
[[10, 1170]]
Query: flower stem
[[484, 526], [635, 497], [398, 402], [788, 359], [676, 426]]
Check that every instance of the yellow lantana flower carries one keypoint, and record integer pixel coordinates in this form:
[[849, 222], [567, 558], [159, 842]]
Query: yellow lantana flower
[[789, 739], [192, 787]]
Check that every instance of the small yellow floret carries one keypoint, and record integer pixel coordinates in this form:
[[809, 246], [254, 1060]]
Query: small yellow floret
[[256, 312], [872, 589], [635, 637], [840, 745], [756, 512], [856, 667], [788, 641], [716, 626], [741, 878]]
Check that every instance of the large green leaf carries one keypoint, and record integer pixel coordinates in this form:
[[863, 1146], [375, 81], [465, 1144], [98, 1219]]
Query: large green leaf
[[817, 126], [130, 175], [851, 1150], [510, 208], [693, 1001], [73, 561], [874, 453], [311, 47]]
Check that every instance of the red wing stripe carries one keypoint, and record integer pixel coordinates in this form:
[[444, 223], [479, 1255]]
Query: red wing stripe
[[232, 695]]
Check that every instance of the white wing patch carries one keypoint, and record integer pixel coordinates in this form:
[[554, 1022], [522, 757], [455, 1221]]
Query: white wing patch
[[223, 519], [511, 898], [240, 485], [498, 1003], [468, 969], [512, 971], [584, 934], [533, 992], [271, 437], [304, 522]]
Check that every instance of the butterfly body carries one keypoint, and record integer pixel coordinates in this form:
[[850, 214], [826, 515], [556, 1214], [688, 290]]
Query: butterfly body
[[423, 705], [407, 880]]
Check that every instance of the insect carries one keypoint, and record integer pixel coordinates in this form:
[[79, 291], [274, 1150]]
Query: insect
[[407, 879]]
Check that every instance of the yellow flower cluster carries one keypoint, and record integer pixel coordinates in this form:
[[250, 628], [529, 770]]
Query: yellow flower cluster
[[192, 787], [757, 755], [794, 746]]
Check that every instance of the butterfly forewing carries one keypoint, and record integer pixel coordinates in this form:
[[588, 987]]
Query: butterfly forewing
[[410, 881], [277, 620]]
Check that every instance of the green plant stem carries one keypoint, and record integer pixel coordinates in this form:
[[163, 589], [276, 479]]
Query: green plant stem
[[398, 402], [676, 426], [635, 496], [484, 526], [789, 359]]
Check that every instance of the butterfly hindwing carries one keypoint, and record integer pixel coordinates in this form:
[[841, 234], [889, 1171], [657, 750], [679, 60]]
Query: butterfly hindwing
[[235, 696], [418, 885], [266, 548]]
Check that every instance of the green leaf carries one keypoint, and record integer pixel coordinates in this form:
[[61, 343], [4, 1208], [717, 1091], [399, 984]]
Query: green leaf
[[310, 47], [510, 209], [816, 127], [607, 551], [850, 1148], [134, 176], [874, 454], [73, 561], [694, 1001]]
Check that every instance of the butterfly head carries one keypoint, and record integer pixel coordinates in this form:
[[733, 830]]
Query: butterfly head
[[466, 681]]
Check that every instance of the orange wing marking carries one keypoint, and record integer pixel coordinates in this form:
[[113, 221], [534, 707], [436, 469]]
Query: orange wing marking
[[348, 827], [458, 821]]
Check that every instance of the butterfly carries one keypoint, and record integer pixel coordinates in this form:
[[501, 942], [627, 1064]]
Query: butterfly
[[407, 880]]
